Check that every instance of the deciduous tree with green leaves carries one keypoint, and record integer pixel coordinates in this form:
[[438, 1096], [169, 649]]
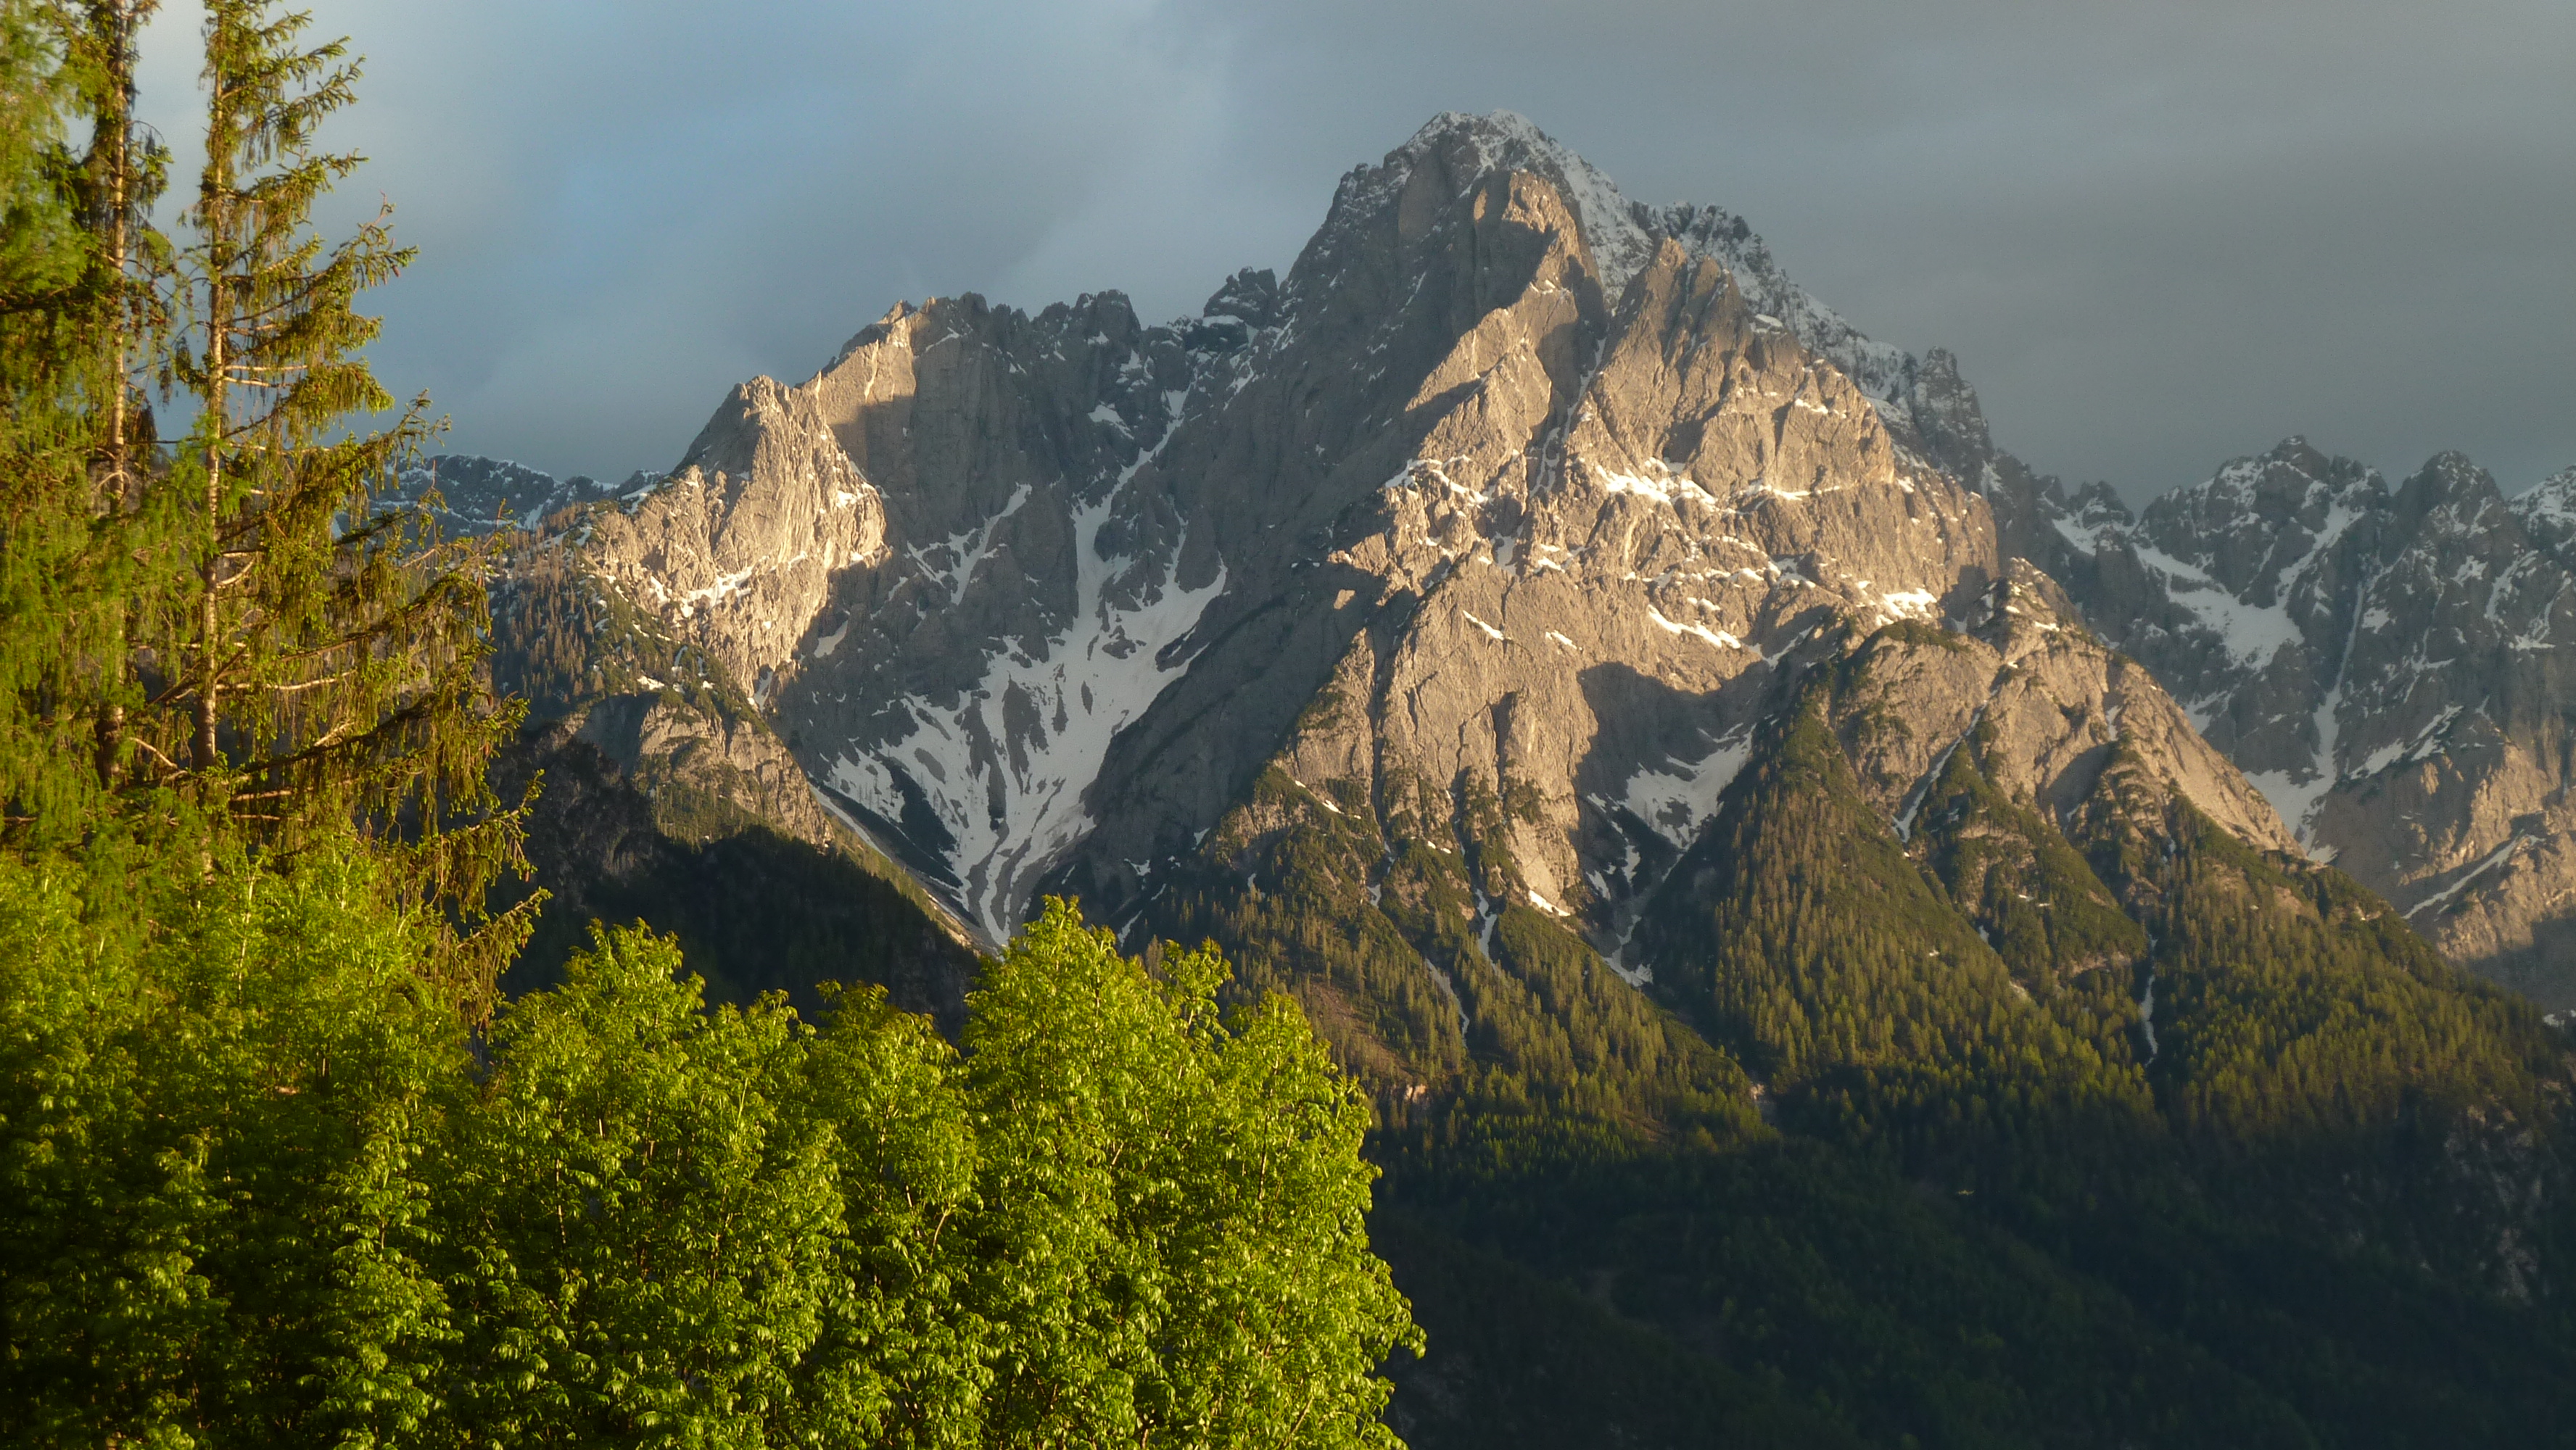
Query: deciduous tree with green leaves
[[1175, 1207], [1120, 1216], [256, 1189], [215, 1102]]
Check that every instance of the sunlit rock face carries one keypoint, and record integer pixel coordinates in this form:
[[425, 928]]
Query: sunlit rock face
[[1513, 482], [1509, 490]]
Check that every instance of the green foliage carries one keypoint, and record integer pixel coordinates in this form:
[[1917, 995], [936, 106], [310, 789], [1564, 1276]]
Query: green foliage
[[263, 1183], [215, 1105], [1561, 1041], [2006, 865], [79, 317], [1176, 1204], [1919, 634], [1821, 1281], [2329, 1065], [317, 657], [2301, 1004], [259, 1191], [2007, 868], [229, 631], [667, 1231], [1293, 903], [42, 248]]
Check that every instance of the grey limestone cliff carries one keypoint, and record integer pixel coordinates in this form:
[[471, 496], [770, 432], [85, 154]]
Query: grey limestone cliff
[[1508, 487]]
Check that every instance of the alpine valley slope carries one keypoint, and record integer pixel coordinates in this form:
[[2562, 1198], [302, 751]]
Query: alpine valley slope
[[1812, 985]]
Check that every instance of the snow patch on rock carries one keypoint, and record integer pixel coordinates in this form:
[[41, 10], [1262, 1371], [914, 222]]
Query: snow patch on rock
[[1009, 793]]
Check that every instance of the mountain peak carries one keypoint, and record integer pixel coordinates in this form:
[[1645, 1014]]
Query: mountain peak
[[2451, 485], [1473, 147], [1623, 235]]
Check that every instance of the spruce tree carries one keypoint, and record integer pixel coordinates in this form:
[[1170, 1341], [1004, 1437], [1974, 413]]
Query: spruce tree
[[315, 657], [126, 327], [77, 314]]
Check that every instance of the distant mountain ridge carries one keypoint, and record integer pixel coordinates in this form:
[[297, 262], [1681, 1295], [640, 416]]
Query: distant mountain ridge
[[1654, 731], [2384, 663]]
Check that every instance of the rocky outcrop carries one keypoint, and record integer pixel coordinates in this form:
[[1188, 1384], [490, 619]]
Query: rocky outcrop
[[2050, 702], [1509, 484], [703, 769], [1033, 600], [2385, 664], [735, 551], [1619, 535]]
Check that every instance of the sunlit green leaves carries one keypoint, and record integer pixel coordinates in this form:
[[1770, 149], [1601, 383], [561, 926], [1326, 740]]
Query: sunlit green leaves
[[260, 1189], [1175, 1208]]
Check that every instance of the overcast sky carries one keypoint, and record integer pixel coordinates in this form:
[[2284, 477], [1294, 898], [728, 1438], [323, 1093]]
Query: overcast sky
[[2158, 235]]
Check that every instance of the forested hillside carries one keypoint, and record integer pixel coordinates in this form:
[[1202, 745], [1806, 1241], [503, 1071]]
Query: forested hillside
[[1975, 1129]]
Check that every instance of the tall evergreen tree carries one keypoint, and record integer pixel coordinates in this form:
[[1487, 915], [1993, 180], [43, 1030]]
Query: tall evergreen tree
[[315, 658], [233, 634], [126, 326], [77, 313]]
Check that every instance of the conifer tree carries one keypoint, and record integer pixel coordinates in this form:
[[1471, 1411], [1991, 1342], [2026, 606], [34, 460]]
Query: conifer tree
[[315, 658], [77, 314], [126, 325]]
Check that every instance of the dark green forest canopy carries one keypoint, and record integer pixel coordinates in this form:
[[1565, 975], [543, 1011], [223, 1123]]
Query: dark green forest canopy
[[1891, 1139]]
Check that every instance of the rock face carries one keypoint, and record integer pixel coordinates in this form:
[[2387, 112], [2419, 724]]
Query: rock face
[[735, 550], [2385, 664], [1509, 493], [1509, 488], [1033, 600], [666, 794]]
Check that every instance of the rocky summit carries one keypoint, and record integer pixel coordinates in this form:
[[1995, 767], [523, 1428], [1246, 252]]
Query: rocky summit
[[1635, 712], [1552, 492]]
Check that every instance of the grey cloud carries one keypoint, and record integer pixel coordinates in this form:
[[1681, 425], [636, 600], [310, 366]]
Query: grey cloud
[[2157, 235]]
